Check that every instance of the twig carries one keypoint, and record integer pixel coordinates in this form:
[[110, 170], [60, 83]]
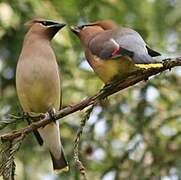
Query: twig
[[7, 164], [77, 142], [9, 120], [108, 90]]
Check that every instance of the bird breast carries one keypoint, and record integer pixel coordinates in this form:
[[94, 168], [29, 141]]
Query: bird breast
[[38, 82]]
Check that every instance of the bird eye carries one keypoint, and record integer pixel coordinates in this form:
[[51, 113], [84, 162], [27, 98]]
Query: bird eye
[[86, 25], [44, 23], [48, 23], [82, 26]]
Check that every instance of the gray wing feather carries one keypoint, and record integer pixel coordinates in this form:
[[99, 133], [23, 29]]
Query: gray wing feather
[[102, 46], [105, 43]]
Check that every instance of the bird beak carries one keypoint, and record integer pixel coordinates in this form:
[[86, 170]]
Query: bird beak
[[75, 29], [57, 25]]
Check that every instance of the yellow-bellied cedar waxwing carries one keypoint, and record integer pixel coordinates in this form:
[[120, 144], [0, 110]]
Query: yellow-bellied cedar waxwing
[[38, 83], [114, 51]]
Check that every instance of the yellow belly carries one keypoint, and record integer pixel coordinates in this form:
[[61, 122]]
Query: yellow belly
[[109, 69]]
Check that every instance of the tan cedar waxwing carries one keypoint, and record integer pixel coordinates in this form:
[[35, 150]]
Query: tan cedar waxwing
[[38, 83], [114, 51]]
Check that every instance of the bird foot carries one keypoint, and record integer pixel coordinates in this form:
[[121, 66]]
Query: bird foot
[[32, 115], [52, 114], [25, 115]]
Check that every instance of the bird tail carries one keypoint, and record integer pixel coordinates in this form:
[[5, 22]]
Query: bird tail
[[148, 66], [59, 165], [145, 61], [143, 58], [51, 137], [152, 52]]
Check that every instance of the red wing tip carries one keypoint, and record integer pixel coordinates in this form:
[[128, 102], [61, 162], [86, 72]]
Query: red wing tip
[[116, 51]]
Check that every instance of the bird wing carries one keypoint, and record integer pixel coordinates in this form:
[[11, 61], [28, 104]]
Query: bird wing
[[36, 133], [105, 46], [112, 44]]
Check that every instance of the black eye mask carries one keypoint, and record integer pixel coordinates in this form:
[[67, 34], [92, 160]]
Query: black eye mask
[[47, 23], [86, 25]]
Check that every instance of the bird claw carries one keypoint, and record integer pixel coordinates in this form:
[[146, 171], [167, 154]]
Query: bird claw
[[146, 79], [52, 114], [32, 115], [25, 115], [106, 85]]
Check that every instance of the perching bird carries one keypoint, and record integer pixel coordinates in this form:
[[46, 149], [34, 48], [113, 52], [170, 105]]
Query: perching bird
[[38, 83], [114, 51]]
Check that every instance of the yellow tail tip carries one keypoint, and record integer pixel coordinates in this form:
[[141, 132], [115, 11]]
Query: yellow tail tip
[[58, 171], [147, 66]]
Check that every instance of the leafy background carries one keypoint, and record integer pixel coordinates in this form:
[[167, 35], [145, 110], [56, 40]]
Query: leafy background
[[136, 133]]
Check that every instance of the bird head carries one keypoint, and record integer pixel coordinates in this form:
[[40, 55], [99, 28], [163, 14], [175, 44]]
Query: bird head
[[106, 24], [44, 28], [86, 31]]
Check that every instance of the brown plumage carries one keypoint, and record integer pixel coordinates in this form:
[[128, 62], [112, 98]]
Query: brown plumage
[[112, 50], [38, 82], [105, 24]]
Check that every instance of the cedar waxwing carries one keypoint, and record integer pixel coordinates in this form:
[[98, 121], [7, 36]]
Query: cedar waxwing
[[114, 51], [38, 83]]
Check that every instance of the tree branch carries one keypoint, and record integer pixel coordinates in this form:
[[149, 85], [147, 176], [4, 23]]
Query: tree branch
[[108, 90]]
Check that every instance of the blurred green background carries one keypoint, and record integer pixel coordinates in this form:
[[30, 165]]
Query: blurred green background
[[136, 134]]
